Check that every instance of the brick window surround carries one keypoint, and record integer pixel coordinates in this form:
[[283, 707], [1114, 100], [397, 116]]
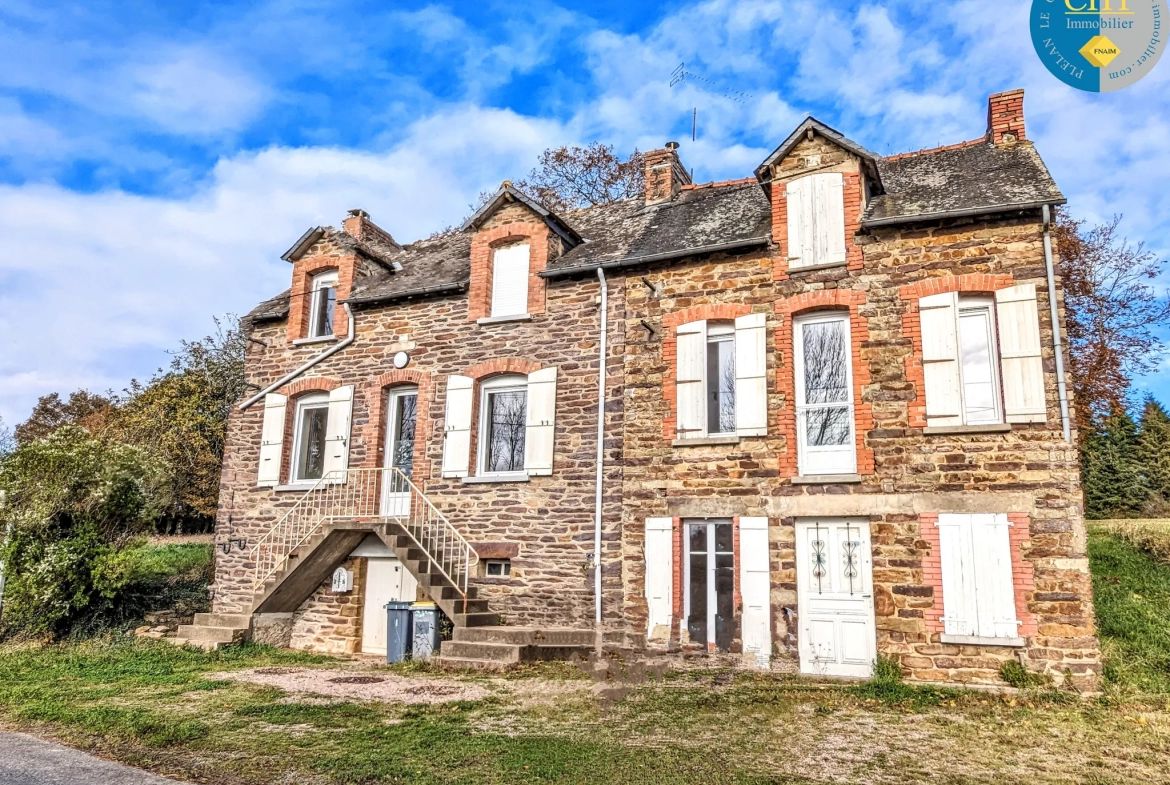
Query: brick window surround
[[852, 199], [1023, 582], [294, 391], [970, 283], [823, 300], [483, 246], [300, 296], [480, 373], [377, 392], [672, 321]]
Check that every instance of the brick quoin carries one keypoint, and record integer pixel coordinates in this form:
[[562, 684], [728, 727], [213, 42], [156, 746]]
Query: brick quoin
[[301, 301], [852, 201], [817, 300], [672, 321], [377, 392], [677, 582], [483, 246], [969, 283]]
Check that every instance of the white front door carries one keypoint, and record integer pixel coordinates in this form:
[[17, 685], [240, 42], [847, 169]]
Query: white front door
[[834, 572], [399, 454], [386, 580]]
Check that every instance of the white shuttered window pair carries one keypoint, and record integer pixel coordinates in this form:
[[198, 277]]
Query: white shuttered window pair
[[816, 220], [321, 433], [721, 378], [978, 594], [510, 281], [981, 358], [517, 425]]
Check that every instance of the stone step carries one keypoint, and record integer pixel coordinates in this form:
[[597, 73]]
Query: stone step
[[470, 663], [196, 632], [238, 620], [449, 592], [205, 645], [492, 652], [526, 636], [475, 619]]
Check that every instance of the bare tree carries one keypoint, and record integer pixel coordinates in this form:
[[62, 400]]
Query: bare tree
[[89, 410], [571, 177], [1112, 312]]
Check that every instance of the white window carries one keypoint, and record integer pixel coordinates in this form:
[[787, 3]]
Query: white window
[[721, 378], [503, 418], [824, 394], [510, 281], [497, 568], [978, 602], [981, 358], [322, 304], [312, 418], [816, 220]]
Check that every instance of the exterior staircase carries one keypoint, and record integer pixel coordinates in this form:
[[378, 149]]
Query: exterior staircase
[[212, 630], [495, 648]]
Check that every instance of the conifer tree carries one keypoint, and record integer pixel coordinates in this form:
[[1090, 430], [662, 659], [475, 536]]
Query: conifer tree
[[1111, 470], [1154, 455]]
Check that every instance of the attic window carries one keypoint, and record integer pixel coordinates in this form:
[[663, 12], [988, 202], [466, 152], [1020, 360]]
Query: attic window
[[510, 281], [323, 303]]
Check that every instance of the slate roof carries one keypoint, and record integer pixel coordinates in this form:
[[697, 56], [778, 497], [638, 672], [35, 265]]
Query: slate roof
[[966, 179]]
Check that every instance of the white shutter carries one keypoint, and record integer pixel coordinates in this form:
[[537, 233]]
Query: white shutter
[[510, 281], [1019, 349], [995, 593], [457, 427], [690, 379], [755, 589], [540, 428], [751, 375], [960, 611], [940, 359], [337, 429], [271, 439], [802, 224], [658, 551], [830, 218]]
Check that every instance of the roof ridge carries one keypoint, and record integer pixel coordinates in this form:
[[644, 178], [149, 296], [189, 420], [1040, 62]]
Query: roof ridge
[[719, 184], [928, 150]]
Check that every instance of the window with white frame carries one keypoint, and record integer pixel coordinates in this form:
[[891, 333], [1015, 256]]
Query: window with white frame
[[824, 394], [309, 434], [503, 419], [510, 280], [721, 378], [978, 593], [323, 302], [981, 358], [816, 220], [497, 568]]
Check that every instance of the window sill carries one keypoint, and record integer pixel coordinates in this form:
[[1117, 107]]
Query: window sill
[[318, 339], [706, 441], [808, 268], [516, 317], [826, 479], [977, 640], [496, 478], [999, 427], [291, 487]]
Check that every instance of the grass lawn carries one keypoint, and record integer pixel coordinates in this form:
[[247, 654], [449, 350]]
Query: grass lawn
[[161, 708]]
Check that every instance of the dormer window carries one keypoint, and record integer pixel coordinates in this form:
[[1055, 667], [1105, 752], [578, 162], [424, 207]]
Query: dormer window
[[323, 302], [510, 281], [816, 220]]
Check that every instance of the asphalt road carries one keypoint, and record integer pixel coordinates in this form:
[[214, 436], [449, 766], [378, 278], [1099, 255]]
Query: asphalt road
[[27, 760]]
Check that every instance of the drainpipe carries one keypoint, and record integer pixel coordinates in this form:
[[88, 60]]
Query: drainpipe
[[1062, 390], [332, 350], [600, 448]]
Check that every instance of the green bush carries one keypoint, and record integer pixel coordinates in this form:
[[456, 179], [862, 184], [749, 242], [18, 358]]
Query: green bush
[[1020, 677]]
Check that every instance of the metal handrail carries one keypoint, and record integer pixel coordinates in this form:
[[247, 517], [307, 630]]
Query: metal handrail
[[378, 494]]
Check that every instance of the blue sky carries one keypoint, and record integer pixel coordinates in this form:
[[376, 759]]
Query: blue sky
[[156, 158]]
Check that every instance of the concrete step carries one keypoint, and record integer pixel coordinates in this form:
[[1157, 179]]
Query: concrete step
[[470, 663], [526, 636], [205, 645], [492, 652], [449, 592], [237, 620], [475, 619], [196, 632]]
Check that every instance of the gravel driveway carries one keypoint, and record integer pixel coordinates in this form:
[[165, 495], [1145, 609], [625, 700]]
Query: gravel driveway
[[27, 760]]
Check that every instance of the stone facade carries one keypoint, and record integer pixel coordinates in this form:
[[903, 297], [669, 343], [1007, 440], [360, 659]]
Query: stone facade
[[906, 476]]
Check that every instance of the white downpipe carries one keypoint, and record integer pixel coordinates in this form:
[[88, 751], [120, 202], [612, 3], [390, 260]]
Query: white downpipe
[[600, 447], [1057, 343], [332, 350]]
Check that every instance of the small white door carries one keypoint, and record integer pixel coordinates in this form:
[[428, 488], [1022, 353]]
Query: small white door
[[400, 421], [834, 571], [386, 580]]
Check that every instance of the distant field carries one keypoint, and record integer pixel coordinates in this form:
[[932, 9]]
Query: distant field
[[1152, 535]]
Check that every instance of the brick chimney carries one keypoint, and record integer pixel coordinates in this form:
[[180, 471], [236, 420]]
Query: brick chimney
[[354, 223], [1005, 117], [665, 174]]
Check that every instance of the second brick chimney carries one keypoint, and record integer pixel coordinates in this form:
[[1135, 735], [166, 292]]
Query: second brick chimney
[[1005, 117], [665, 174]]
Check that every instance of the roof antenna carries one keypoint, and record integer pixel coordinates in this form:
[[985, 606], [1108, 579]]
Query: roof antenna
[[694, 123]]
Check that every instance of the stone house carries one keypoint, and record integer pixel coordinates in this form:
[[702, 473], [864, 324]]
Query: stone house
[[833, 424]]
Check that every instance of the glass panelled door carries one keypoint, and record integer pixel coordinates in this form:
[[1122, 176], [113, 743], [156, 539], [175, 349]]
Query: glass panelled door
[[710, 583], [824, 395], [400, 420]]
